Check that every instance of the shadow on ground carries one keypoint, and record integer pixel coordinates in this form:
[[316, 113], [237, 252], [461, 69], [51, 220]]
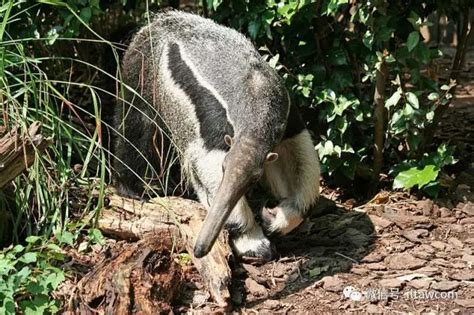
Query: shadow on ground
[[331, 241]]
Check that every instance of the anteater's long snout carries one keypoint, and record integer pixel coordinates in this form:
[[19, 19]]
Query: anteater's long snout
[[233, 186]]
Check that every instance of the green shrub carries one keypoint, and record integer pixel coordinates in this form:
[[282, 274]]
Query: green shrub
[[333, 54]]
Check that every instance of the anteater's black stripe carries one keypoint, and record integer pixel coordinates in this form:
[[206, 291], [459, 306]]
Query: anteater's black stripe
[[209, 111]]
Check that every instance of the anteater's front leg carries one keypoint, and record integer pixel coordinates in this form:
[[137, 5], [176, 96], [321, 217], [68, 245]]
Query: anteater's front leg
[[294, 181]]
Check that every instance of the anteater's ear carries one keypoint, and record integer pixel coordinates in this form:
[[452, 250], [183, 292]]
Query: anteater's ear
[[228, 140], [271, 157]]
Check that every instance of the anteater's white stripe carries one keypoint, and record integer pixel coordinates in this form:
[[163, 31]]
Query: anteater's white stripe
[[179, 96], [204, 83]]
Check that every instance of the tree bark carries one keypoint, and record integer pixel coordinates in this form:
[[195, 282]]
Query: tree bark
[[180, 221], [17, 152]]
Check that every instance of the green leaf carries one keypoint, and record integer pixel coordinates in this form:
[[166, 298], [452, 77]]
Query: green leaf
[[65, 237], [413, 100], [413, 40], [433, 96], [393, 100], [96, 236], [28, 258], [408, 110], [54, 279], [86, 14], [254, 28], [416, 177], [32, 239]]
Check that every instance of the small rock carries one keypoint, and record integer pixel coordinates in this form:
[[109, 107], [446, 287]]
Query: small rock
[[469, 240], [467, 221], [376, 266], [440, 262], [254, 273], [455, 242], [438, 245], [405, 221], [445, 285], [422, 253], [359, 270], [403, 261], [379, 221], [374, 257], [254, 288], [469, 259], [448, 220], [419, 284], [467, 303], [415, 235], [332, 283], [391, 283], [271, 304], [365, 282], [426, 206], [465, 275], [373, 309], [458, 265], [456, 228], [468, 209], [428, 271], [445, 212]]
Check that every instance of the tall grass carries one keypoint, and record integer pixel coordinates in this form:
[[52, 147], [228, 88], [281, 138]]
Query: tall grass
[[44, 198], [65, 187]]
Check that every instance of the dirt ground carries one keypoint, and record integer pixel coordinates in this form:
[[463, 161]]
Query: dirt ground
[[396, 253]]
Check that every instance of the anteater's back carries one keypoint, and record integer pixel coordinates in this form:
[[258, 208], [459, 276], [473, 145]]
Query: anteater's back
[[220, 61], [204, 80]]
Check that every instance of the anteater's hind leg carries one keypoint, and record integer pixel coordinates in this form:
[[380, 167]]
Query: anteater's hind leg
[[247, 236], [135, 145], [294, 180]]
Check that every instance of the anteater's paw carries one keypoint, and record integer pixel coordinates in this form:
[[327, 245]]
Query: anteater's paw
[[253, 243], [282, 219]]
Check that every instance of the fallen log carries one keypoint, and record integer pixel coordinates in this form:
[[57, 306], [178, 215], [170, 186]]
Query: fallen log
[[17, 151], [143, 278], [178, 220]]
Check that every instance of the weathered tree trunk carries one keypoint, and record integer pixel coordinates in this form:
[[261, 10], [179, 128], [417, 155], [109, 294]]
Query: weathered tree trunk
[[178, 220], [17, 152]]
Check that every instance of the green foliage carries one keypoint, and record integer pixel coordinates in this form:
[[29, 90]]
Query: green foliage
[[329, 52], [28, 277], [423, 172]]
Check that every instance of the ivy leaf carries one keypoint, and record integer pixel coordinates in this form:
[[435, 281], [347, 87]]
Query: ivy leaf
[[415, 177], [413, 40]]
